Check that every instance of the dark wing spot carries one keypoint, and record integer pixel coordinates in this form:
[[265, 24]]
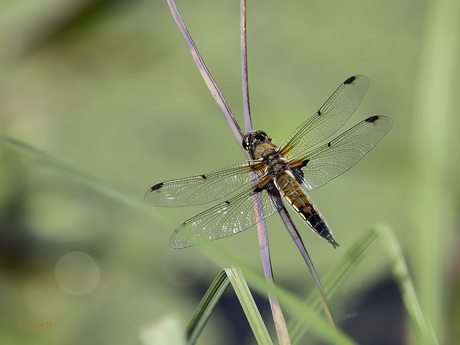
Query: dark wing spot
[[204, 177], [350, 80], [227, 202], [372, 118], [157, 186], [319, 113], [329, 144]]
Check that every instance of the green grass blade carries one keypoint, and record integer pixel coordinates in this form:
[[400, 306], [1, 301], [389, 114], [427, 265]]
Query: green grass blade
[[249, 306], [290, 303], [295, 307], [422, 328], [333, 280], [230, 275], [206, 306], [46, 159]]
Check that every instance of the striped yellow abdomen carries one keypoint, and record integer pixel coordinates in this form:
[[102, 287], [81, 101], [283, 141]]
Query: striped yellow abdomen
[[291, 190]]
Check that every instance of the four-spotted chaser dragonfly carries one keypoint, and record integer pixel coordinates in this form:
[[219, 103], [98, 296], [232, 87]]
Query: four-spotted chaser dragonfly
[[276, 171]]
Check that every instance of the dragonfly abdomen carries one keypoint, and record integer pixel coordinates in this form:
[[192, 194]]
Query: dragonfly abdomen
[[298, 199]]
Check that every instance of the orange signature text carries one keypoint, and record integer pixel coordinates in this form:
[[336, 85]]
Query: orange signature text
[[42, 325]]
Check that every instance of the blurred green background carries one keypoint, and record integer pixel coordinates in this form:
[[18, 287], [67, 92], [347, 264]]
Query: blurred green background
[[110, 87]]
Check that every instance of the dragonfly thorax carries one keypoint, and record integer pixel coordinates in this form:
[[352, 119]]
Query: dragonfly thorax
[[258, 144], [275, 165]]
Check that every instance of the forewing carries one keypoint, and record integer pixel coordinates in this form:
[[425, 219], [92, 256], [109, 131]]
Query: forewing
[[329, 118], [328, 161], [225, 219], [201, 189]]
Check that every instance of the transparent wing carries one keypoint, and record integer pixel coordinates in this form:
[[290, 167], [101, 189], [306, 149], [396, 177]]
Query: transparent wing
[[329, 118], [225, 219], [328, 161], [201, 189]]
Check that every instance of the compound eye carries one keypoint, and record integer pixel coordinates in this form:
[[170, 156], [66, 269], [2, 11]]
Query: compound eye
[[246, 142], [261, 136]]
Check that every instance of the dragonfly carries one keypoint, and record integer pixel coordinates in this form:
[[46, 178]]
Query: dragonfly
[[303, 162]]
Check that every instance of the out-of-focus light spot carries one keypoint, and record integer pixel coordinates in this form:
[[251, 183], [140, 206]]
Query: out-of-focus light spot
[[167, 330], [77, 273]]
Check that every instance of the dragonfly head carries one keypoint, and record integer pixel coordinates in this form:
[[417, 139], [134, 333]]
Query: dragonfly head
[[254, 139]]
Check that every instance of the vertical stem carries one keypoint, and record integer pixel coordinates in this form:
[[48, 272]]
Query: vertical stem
[[278, 317], [298, 241], [277, 313], [207, 77], [244, 69]]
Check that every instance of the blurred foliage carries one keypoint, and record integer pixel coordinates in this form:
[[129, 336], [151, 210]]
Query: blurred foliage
[[110, 87]]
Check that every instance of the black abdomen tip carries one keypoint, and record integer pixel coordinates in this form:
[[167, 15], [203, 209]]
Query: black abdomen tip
[[334, 243]]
